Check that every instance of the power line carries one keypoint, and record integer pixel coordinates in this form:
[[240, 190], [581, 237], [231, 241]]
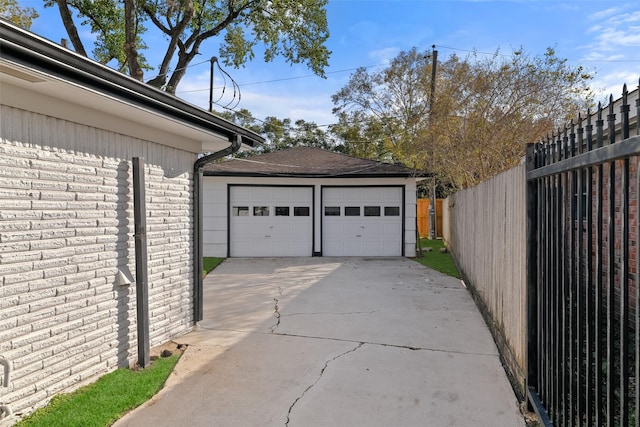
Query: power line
[[291, 78]]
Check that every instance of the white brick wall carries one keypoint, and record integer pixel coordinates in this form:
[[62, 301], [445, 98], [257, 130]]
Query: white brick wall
[[66, 227]]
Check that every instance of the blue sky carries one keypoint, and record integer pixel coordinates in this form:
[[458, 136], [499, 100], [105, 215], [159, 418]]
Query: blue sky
[[603, 36]]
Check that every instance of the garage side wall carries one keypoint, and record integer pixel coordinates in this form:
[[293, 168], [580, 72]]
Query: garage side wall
[[67, 254], [215, 206]]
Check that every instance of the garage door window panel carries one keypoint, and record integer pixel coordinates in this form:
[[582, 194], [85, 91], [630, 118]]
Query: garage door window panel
[[332, 211], [391, 211], [301, 211], [372, 211], [282, 210], [352, 211], [261, 211], [241, 211]]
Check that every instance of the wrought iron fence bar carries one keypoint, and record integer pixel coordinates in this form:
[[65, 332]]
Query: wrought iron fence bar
[[541, 288], [637, 297], [627, 148], [638, 118], [600, 128], [579, 286], [572, 284], [545, 289], [532, 272], [591, 325], [611, 316], [589, 394], [566, 324], [624, 296], [599, 344], [555, 297], [624, 271]]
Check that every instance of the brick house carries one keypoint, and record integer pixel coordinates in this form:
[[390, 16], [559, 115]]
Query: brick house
[[69, 128]]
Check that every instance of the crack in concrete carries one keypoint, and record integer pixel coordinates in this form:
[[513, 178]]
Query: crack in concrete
[[324, 368], [403, 347], [331, 313], [276, 313]]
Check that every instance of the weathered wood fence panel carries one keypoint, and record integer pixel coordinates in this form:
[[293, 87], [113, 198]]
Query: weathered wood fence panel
[[485, 229]]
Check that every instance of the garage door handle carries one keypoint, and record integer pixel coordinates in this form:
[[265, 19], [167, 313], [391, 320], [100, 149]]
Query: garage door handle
[[267, 235], [358, 235]]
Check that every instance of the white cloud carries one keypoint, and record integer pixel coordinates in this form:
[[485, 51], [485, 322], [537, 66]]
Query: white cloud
[[384, 55]]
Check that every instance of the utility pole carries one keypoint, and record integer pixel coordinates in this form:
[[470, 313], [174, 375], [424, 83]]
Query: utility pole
[[432, 206], [213, 59]]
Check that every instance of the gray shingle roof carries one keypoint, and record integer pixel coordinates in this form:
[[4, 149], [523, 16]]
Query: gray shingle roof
[[305, 162]]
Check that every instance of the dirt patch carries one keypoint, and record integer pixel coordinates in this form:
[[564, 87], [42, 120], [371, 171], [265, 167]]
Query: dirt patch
[[166, 350], [163, 350]]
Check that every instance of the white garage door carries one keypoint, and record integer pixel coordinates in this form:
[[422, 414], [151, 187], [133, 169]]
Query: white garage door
[[270, 221], [362, 221]]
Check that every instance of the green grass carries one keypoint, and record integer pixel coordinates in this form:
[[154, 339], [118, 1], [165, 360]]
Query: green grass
[[441, 262], [209, 263], [100, 404]]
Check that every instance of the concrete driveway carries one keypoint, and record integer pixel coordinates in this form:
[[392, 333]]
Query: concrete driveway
[[304, 342]]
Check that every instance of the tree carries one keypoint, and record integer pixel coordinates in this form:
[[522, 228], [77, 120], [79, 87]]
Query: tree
[[362, 136], [484, 110], [293, 29], [393, 101], [21, 16], [487, 110], [281, 134]]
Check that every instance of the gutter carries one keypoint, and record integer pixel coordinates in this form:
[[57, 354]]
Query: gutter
[[198, 297]]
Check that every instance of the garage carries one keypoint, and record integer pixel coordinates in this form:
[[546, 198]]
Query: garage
[[305, 201], [362, 221], [270, 221]]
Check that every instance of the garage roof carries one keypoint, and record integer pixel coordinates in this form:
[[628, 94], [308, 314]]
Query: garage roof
[[309, 162]]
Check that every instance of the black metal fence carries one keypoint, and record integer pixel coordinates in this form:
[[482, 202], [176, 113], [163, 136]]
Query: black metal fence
[[583, 353]]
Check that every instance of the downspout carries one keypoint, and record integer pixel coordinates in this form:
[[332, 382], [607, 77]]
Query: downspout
[[236, 143]]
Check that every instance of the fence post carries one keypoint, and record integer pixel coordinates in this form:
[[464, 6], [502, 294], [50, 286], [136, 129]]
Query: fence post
[[142, 291], [531, 197]]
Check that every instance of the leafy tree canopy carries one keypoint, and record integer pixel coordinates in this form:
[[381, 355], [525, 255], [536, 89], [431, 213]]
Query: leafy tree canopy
[[485, 109], [282, 133], [21, 16], [293, 29]]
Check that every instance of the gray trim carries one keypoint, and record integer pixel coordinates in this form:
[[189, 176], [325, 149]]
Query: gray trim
[[198, 185]]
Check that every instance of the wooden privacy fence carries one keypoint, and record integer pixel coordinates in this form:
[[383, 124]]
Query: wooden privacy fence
[[486, 234], [583, 326]]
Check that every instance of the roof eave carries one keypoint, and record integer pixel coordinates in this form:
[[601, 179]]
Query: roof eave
[[286, 175], [30, 50]]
